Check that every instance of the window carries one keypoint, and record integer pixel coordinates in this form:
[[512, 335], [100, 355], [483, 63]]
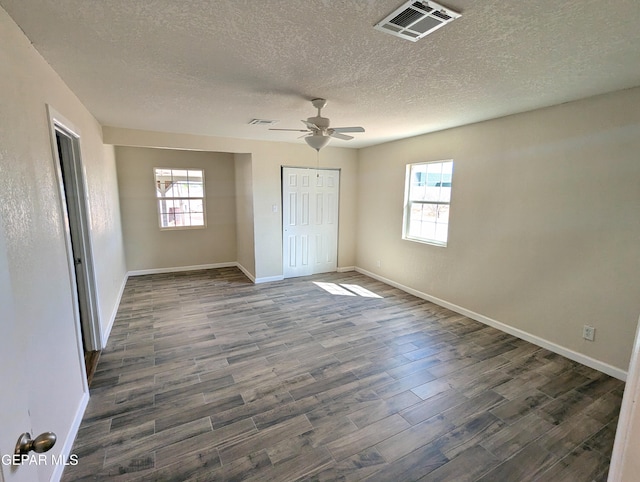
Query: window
[[180, 194], [428, 195]]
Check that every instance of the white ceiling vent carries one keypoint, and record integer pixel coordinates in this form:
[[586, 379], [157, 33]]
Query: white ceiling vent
[[414, 20], [262, 122]]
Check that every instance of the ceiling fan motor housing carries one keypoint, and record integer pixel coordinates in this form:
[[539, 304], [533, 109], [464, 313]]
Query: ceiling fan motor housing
[[318, 128], [321, 122]]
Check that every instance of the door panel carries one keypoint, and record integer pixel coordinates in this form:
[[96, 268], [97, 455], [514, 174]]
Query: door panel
[[304, 211], [310, 221], [319, 209], [14, 416]]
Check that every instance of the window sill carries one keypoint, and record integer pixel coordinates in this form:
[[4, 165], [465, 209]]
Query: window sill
[[182, 228], [426, 241]]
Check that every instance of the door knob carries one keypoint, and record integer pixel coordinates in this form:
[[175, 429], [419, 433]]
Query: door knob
[[42, 443]]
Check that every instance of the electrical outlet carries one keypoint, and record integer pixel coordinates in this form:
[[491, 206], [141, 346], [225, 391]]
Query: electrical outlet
[[378, 264], [588, 332]]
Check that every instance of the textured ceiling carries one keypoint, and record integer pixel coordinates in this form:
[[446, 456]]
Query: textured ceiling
[[210, 66]]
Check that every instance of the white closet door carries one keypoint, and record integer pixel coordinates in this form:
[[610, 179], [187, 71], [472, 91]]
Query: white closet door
[[309, 220]]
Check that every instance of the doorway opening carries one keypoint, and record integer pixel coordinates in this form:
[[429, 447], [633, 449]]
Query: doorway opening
[[73, 199]]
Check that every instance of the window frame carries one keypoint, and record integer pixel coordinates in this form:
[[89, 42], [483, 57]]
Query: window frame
[[158, 199], [408, 203]]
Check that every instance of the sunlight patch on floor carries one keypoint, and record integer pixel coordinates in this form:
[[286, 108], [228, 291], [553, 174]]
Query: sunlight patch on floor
[[333, 288], [359, 290], [346, 289]]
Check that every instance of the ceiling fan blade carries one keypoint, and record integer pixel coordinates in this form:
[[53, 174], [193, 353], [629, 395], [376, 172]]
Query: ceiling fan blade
[[337, 135], [348, 129], [292, 130], [310, 125]]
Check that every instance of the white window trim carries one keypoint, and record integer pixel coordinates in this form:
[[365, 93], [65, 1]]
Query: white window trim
[[157, 199], [407, 208]]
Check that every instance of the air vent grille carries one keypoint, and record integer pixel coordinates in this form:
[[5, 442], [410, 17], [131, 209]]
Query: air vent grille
[[406, 18], [441, 15], [422, 6], [414, 20], [262, 122]]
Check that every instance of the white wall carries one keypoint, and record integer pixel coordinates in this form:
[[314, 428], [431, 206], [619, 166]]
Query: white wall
[[544, 222], [147, 247], [267, 159], [34, 230]]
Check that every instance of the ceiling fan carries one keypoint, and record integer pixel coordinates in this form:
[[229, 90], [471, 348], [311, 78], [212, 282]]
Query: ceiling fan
[[318, 131]]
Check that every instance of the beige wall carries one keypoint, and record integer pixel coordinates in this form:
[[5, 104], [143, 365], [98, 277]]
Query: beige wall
[[42, 326], [147, 247], [544, 221], [267, 158], [244, 213], [106, 235]]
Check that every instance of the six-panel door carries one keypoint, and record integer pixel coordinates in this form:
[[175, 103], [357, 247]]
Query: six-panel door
[[310, 220]]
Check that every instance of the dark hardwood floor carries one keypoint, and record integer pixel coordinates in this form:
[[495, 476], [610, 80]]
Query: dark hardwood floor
[[207, 377]]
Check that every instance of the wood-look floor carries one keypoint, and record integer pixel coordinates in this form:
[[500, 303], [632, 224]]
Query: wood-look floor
[[207, 377]]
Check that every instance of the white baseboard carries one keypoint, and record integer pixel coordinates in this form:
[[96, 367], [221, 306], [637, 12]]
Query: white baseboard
[[71, 435], [346, 269], [177, 269], [268, 279], [246, 272], [536, 340], [107, 331]]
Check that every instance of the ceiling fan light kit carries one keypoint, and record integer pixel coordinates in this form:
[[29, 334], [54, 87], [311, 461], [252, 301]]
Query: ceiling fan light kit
[[317, 142], [319, 132]]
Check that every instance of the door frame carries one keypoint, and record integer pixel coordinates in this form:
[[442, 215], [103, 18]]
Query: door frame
[[282, 200], [624, 457], [83, 290]]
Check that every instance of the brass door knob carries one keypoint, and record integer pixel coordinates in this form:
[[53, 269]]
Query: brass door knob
[[40, 444]]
